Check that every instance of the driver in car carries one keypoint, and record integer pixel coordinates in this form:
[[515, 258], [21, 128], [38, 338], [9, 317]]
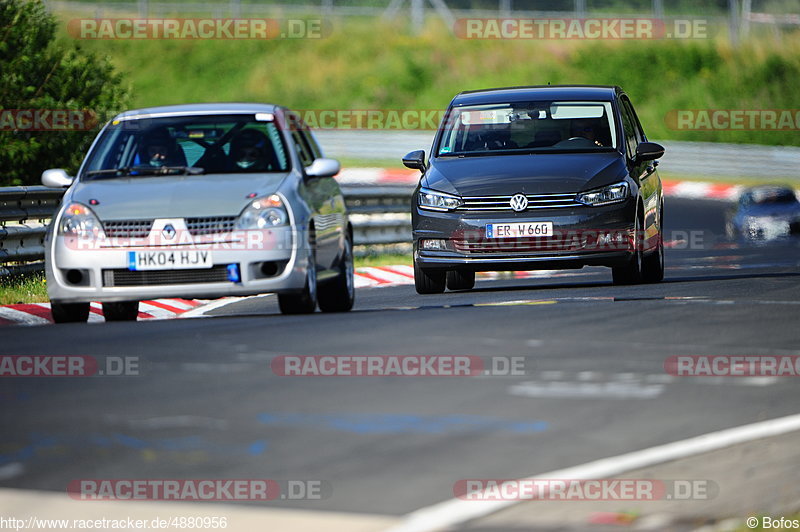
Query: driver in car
[[585, 129], [249, 150]]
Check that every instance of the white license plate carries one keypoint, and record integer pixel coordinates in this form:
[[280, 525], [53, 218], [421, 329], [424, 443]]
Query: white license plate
[[169, 260], [519, 229]]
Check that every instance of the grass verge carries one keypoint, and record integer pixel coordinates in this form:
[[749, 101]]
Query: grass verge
[[29, 288]]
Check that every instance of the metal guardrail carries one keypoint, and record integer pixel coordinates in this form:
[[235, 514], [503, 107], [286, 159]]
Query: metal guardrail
[[379, 216], [23, 213]]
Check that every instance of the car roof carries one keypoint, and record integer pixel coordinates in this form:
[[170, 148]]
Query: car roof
[[198, 109], [537, 92]]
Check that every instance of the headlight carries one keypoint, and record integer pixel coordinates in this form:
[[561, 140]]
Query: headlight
[[263, 213], [437, 201], [79, 220], [603, 196]]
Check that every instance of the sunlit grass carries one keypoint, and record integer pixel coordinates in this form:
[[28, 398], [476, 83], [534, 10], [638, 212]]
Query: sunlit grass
[[30, 288], [378, 64]]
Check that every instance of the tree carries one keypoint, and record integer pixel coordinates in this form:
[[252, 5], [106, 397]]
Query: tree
[[41, 79]]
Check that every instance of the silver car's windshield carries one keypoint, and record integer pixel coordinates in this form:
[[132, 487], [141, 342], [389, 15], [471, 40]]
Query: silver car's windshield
[[530, 126], [209, 144]]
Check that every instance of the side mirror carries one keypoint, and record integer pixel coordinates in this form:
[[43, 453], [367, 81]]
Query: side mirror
[[649, 151], [56, 178], [323, 168], [415, 160]]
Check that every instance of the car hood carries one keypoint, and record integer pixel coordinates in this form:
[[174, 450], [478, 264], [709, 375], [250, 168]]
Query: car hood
[[541, 173], [173, 196]]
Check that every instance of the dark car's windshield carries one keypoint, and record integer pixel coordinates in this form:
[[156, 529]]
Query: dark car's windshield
[[531, 126], [208, 144], [772, 196]]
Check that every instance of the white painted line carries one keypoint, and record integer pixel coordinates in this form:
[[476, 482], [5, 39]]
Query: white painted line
[[455, 511], [586, 390], [14, 469], [199, 312]]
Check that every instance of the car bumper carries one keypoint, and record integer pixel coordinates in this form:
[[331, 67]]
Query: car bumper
[[106, 276], [582, 236]]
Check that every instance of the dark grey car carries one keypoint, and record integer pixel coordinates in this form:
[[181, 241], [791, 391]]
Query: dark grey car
[[537, 178]]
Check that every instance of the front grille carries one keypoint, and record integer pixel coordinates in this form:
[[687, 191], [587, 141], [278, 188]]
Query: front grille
[[127, 228], [503, 203], [123, 277], [210, 225], [196, 226], [526, 246]]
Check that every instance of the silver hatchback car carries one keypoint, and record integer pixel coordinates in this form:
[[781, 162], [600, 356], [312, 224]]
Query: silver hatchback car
[[200, 201]]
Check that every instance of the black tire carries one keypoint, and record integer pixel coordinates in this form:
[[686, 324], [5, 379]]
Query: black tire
[[653, 264], [631, 273], [305, 301], [428, 281], [460, 280], [339, 294], [121, 311], [69, 312]]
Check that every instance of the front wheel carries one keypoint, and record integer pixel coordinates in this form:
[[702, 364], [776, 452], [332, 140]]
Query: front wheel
[[304, 302], [121, 311], [69, 312], [429, 281], [339, 294], [631, 273], [653, 265]]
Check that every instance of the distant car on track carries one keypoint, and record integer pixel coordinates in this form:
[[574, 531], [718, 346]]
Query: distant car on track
[[545, 177], [200, 201], [764, 212]]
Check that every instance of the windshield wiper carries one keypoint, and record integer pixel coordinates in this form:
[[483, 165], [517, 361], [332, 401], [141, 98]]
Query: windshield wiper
[[144, 170], [165, 170]]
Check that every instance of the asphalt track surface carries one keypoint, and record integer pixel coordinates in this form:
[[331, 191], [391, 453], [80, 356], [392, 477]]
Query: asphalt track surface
[[208, 405]]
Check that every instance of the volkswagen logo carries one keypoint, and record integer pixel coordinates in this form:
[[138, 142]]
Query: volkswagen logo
[[168, 231], [519, 202]]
